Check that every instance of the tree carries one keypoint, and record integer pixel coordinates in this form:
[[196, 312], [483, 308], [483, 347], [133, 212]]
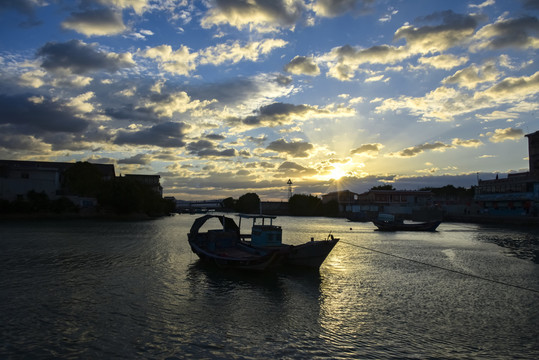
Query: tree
[[305, 205], [248, 203], [229, 203], [383, 187]]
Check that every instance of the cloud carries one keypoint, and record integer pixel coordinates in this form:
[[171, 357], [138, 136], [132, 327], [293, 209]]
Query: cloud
[[333, 8], [510, 33], [26, 114], [443, 103], [301, 65], [138, 159], [367, 149], [445, 61], [243, 93], [483, 4], [27, 143], [473, 75], [25, 7], [258, 15], [418, 149], [281, 114], [455, 29], [183, 61], [169, 134], [497, 115], [294, 149], [165, 105], [100, 22], [138, 5], [530, 4], [205, 148], [500, 135], [512, 88], [467, 143], [292, 169], [180, 62], [234, 52], [77, 57]]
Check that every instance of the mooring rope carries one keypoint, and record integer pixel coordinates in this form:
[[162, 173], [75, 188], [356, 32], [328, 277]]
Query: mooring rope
[[443, 268]]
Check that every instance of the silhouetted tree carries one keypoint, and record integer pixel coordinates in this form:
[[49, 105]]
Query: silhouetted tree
[[229, 203], [383, 187], [248, 203], [305, 205]]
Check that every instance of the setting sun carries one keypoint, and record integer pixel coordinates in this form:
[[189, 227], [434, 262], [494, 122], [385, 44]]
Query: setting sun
[[337, 173]]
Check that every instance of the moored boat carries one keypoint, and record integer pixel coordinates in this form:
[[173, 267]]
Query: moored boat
[[387, 222], [261, 249]]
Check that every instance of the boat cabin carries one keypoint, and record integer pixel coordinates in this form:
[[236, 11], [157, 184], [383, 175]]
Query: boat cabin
[[262, 233]]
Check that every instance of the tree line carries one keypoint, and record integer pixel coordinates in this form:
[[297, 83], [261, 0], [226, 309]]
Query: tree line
[[309, 205]]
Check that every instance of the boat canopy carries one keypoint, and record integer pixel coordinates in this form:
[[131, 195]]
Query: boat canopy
[[227, 223]]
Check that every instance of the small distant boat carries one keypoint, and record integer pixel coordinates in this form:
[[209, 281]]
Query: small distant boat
[[262, 249], [387, 222]]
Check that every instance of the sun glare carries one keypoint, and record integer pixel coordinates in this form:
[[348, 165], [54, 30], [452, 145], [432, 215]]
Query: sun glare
[[337, 173]]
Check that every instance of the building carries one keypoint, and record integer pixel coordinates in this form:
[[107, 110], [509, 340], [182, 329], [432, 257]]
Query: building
[[405, 203], [345, 198], [153, 181], [514, 195], [17, 178]]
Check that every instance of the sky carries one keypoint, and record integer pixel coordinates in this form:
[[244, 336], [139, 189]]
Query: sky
[[226, 97]]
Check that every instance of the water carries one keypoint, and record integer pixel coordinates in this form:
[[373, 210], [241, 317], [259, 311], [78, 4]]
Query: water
[[90, 289]]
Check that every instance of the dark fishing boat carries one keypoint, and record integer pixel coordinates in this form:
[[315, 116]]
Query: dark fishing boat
[[262, 249], [223, 247], [387, 222]]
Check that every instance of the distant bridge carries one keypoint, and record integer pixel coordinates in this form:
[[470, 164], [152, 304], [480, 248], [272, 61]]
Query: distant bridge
[[198, 205]]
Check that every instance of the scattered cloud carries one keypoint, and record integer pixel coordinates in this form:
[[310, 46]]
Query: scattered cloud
[[169, 134], [100, 22], [508, 33], [419, 149], [367, 149], [294, 148], [500, 135], [77, 57], [257, 15], [301, 65], [333, 8]]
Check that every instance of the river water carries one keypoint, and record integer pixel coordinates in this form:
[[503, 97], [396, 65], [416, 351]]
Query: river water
[[88, 289]]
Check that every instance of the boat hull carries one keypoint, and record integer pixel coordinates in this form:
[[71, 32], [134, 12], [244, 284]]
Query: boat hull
[[311, 254], [397, 226], [226, 248]]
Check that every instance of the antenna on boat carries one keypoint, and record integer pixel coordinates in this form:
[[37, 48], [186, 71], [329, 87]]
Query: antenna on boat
[[289, 182]]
